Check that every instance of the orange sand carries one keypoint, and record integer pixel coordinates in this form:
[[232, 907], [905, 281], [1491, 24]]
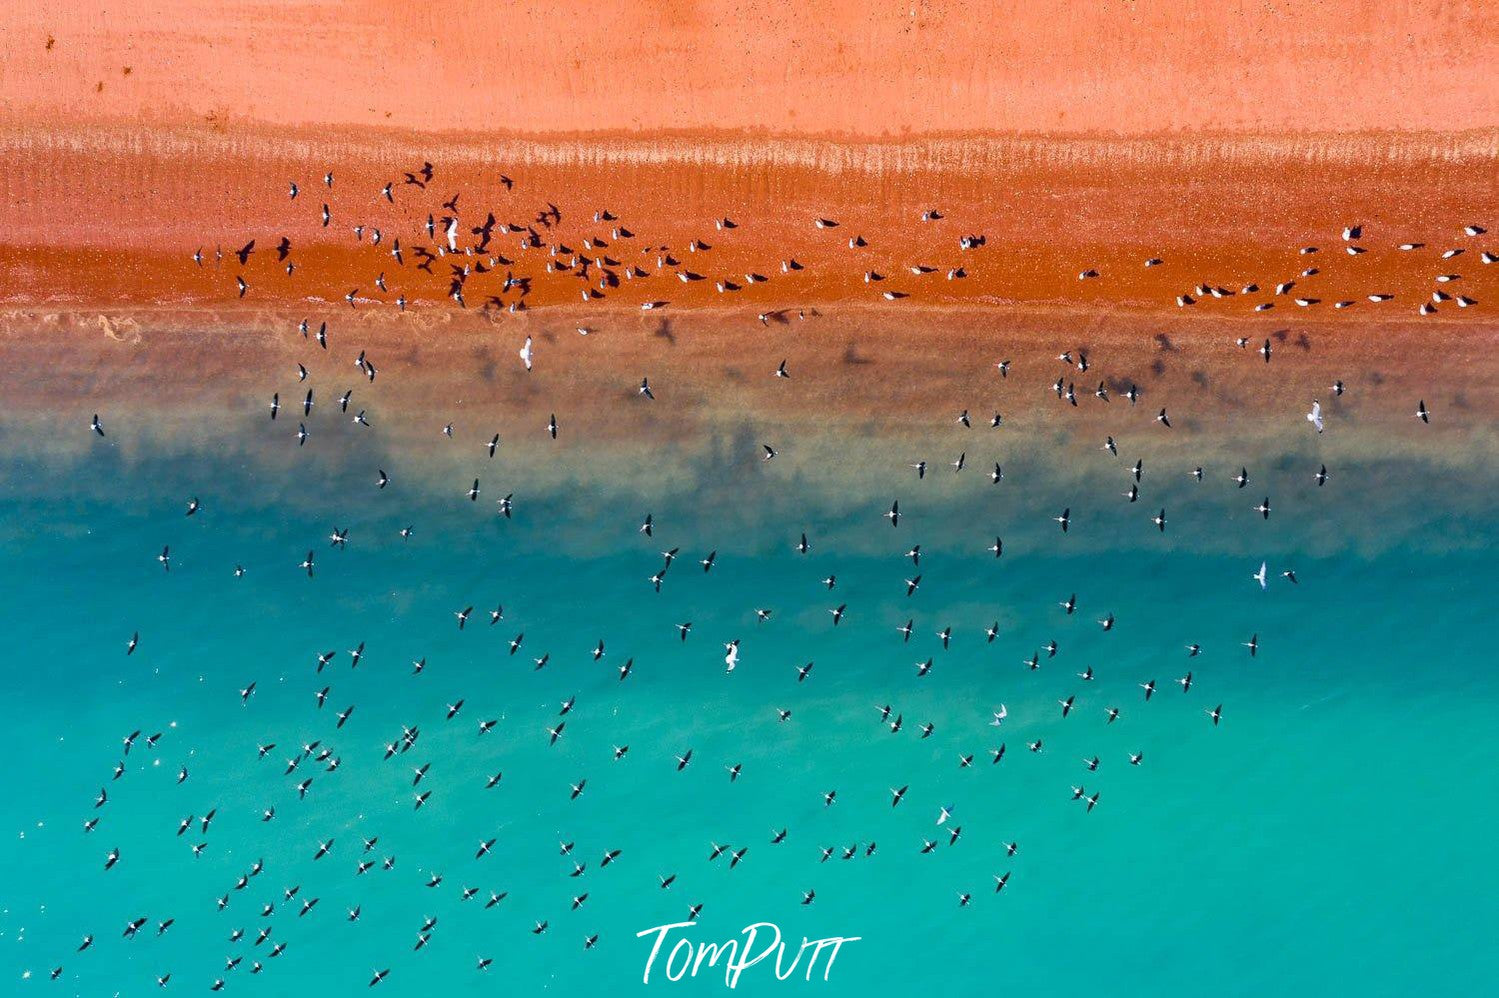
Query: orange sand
[[104, 217], [847, 67], [1218, 137]]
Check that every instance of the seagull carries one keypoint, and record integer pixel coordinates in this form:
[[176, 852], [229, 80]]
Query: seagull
[[1261, 575], [525, 353], [1315, 416]]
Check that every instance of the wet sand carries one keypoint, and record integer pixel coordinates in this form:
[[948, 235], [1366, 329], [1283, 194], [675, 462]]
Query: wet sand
[[856, 371], [102, 309], [112, 216], [869, 394]]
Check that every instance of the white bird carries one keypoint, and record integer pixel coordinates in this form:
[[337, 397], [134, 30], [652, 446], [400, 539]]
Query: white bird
[[731, 658], [1260, 575], [525, 353], [999, 716], [1315, 416]]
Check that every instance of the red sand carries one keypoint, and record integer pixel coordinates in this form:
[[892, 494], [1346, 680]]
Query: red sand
[[101, 218], [1219, 137], [1073, 138]]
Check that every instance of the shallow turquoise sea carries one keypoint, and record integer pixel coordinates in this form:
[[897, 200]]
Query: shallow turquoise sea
[[1330, 836]]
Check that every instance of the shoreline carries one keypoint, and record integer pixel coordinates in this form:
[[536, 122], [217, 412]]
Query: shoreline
[[197, 379]]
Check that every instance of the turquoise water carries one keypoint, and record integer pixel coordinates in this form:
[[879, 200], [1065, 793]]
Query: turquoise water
[[1328, 837]]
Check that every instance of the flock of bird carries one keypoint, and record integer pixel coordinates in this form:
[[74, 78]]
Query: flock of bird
[[507, 259], [504, 260]]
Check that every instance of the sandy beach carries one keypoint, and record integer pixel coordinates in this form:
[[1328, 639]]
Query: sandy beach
[[1226, 212], [1217, 138], [999, 203], [999, 237], [870, 393], [831, 67]]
